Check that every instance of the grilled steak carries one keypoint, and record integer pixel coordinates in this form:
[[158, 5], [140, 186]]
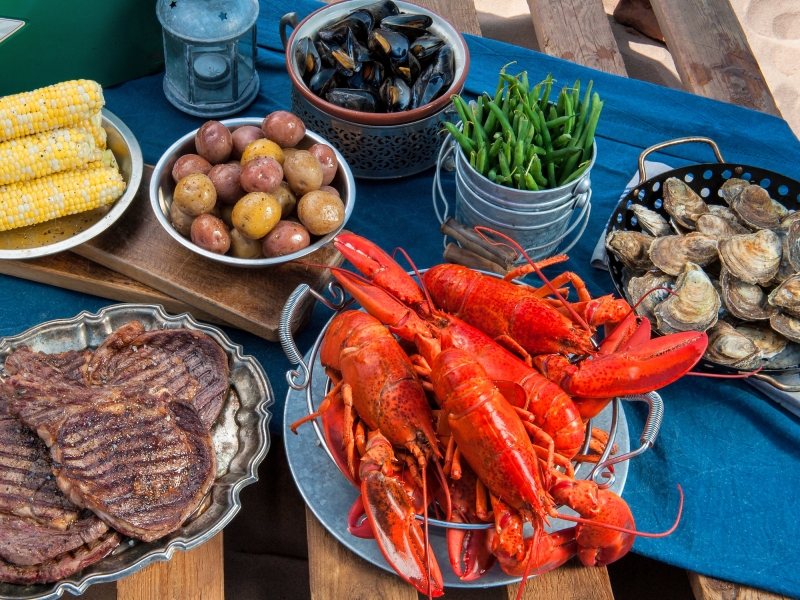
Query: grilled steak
[[61, 566], [188, 364], [25, 542], [66, 366], [141, 462]]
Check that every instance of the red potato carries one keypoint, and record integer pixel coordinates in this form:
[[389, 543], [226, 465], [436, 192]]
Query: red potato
[[262, 174], [327, 159], [213, 142], [189, 164], [285, 238], [332, 190], [283, 128], [227, 181], [210, 233], [244, 136], [180, 220]]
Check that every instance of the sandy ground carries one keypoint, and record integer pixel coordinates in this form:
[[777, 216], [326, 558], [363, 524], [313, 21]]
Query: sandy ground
[[772, 28]]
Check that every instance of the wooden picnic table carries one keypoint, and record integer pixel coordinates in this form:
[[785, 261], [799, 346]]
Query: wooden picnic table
[[713, 59]]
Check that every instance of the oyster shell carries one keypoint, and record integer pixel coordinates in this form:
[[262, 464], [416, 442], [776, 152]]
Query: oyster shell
[[732, 188], [793, 245], [672, 252], [787, 296], [786, 326], [726, 346], [718, 226], [788, 358], [639, 286], [744, 300], [724, 212], [790, 218], [753, 258], [678, 228], [695, 305], [631, 248], [756, 208], [682, 203], [652, 222], [768, 340], [785, 270]]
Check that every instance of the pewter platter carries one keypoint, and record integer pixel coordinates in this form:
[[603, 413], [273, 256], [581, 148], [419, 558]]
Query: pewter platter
[[240, 435], [128, 154], [330, 495]]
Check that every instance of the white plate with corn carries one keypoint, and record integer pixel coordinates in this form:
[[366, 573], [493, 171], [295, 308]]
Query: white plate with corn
[[68, 169]]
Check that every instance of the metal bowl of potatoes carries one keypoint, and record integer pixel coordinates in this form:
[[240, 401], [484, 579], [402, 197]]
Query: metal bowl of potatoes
[[162, 187]]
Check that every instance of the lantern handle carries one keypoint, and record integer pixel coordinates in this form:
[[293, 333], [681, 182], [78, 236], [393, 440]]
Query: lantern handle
[[287, 19]]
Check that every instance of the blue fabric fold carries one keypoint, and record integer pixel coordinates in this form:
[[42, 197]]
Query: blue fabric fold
[[735, 453]]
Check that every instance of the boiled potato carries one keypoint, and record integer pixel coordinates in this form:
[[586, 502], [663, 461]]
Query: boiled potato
[[242, 137], [188, 164], [327, 160], [244, 247], [286, 238], [226, 214], [283, 128], [320, 212], [213, 142], [262, 174], [180, 220], [262, 147], [332, 190], [286, 197], [256, 214], [303, 172], [195, 194], [210, 233], [227, 182]]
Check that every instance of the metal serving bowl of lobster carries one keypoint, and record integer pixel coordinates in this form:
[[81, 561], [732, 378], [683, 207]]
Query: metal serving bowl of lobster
[[466, 401], [723, 257]]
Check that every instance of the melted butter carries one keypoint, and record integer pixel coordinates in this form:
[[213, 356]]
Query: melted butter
[[50, 232]]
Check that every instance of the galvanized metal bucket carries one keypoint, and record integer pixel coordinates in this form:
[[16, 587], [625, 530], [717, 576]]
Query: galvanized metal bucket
[[542, 222]]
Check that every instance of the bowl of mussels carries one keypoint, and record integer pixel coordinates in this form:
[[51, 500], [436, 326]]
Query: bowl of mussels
[[724, 239], [376, 63]]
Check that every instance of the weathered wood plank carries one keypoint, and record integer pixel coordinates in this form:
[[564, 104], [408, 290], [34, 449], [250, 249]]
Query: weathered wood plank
[[338, 573], [571, 581], [578, 31], [710, 588], [194, 575], [461, 14], [711, 52]]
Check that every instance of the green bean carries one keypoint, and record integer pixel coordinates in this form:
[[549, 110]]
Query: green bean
[[533, 95], [506, 103], [592, 126], [529, 153], [537, 171], [492, 174], [576, 94], [530, 183], [548, 85], [559, 121], [522, 130], [515, 122], [502, 119], [472, 159], [519, 152], [548, 145], [524, 83], [555, 155], [461, 108], [507, 147], [491, 120], [538, 139], [581, 124], [577, 173], [560, 103], [504, 165], [480, 161], [562, 140], [478, 112], [495, 148], [552, 113], [529, 113], [465, 142]]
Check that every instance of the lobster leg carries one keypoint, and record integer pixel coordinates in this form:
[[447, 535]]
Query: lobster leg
[[391, 514], [469, 550]]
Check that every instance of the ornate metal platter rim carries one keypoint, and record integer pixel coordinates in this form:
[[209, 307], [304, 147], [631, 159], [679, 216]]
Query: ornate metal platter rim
[[252, 390]]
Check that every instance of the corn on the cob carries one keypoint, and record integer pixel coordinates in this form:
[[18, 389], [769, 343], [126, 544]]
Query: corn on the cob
[[42, 154], [60, 105], [58, 195], [94, 125]]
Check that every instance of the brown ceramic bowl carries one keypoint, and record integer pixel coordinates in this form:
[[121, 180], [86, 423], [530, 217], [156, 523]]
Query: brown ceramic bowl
[[328, 14]]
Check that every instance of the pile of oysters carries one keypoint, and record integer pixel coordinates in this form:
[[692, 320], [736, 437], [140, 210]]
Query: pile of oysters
[[377, 59], [733, 271]]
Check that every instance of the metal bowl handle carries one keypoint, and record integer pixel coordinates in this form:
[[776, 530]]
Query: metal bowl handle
[[287, 19], [287, 340], [646, 441], [686, 140]]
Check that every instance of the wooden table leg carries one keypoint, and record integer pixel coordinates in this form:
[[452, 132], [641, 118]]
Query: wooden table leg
[[194, 575], [709, 588], [338, 573], [571, 581]]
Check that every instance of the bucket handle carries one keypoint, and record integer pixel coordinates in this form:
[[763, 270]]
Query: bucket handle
[[675, 142], [287, 19], [447, 150]]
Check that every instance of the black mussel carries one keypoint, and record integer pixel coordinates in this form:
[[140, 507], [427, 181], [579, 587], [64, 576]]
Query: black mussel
[[336, 33], [395, 94], [435, 79], [408, 69], [365, 17], [307, 58], [381, 10], [411, 26], [345, 56], [325, 54], [362, 53], [324, 81], [389, 46], [425, 48], [370, 77], [360, 100]]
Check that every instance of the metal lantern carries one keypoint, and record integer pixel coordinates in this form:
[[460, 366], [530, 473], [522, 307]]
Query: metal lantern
[[210, 55]]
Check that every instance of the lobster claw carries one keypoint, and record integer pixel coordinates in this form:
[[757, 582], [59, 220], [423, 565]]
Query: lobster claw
[[391, 514], [470, 552]]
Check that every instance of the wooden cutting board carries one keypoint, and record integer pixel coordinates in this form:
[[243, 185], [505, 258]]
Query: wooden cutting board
[[137, 261]]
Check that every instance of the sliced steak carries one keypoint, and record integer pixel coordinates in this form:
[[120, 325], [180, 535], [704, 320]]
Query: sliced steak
[[188, 364], [65, 366], [141, 462], [25, 542], [61, 566]]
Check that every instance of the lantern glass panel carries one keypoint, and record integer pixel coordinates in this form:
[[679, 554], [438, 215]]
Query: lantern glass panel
[[175, 61], [246, 50]]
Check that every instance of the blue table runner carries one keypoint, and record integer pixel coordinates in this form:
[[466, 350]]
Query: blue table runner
[[734, 452]]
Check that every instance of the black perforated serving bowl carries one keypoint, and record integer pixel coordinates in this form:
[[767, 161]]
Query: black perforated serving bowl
[[704, 179]]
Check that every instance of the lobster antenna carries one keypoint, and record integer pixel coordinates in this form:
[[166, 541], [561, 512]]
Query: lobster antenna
[[625, 529], [534, 552], [721, 376], [635, 306], [427, 539], [416, 272], [480, 229]]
